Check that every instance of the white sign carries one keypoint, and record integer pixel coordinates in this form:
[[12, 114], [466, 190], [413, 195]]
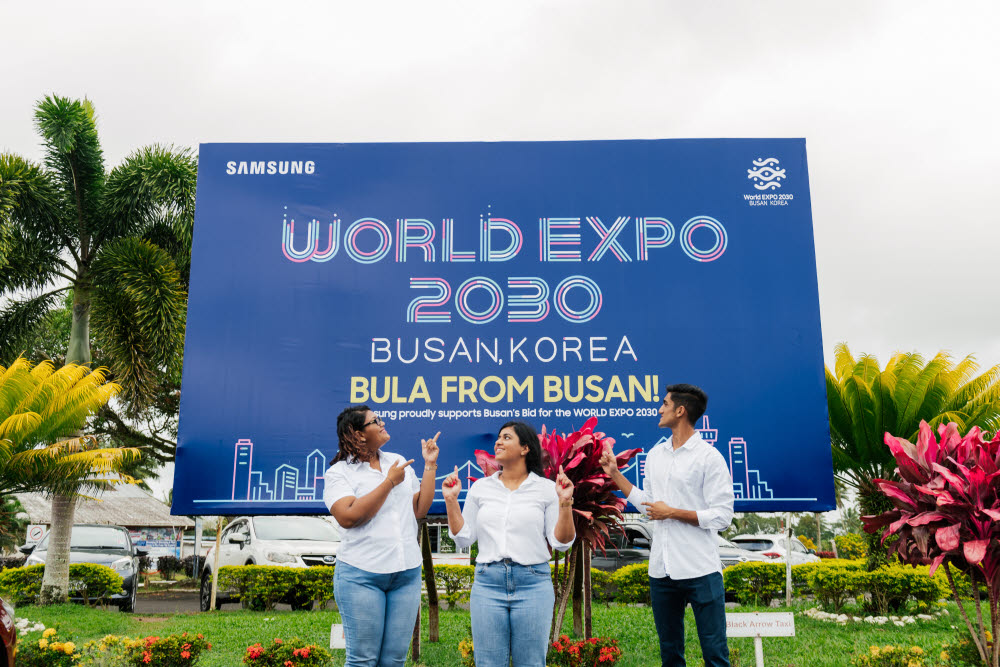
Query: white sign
[[757, 624], [35, 533], [337, 639]]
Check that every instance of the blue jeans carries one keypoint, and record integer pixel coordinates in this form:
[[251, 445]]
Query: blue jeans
[[707, 596], [511, 609], [379, 612]]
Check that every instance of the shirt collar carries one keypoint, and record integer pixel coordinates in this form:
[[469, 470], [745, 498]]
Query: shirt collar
[[691, 443], [532, 477]]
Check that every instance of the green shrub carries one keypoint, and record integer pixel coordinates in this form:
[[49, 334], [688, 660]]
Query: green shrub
[[891, 656], [261, 587], [632, 582], [602, 585], [168, 566], [891, 586], [851, 546], [835, 584], [962, 651], [755, 582], [49, 651], [169, 651], [279, 653], [97, 582], [457, 582]]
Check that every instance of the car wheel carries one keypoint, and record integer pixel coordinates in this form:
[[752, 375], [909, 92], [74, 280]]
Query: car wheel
[[128, 606], [205, 594]]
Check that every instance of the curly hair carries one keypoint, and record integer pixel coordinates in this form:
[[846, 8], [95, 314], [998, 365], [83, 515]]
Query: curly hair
[[350, 424]]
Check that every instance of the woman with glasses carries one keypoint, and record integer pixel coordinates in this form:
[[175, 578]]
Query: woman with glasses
[[376, 498], [515, 514]]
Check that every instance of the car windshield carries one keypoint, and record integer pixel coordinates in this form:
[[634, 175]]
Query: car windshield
[[752, 544], [294, 528], [92, 537]]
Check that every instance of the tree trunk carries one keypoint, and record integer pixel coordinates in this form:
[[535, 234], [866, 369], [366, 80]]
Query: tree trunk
[[55, 580], [78, 350], [588, 620], [564, 594], [432, 593], [819, 532], [578, 589]]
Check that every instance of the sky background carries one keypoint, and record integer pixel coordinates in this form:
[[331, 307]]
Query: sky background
[[898, 102]]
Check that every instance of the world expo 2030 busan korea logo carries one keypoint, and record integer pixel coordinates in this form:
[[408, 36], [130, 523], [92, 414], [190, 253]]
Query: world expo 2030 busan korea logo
[[767, 175]]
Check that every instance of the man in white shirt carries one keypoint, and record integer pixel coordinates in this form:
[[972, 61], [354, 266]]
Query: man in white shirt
[[688, 493]]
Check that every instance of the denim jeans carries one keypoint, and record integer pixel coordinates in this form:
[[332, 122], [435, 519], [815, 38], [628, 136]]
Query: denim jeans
[[511, 609], [707, 596], [379, 612]]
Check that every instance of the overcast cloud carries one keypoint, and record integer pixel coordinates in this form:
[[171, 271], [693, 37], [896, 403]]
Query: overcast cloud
[[898, 102]]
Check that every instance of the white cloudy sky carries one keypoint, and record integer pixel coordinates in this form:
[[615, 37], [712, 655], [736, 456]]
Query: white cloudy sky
[[898, 102]]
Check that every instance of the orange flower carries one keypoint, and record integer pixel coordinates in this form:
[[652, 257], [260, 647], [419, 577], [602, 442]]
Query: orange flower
[[185, 654]]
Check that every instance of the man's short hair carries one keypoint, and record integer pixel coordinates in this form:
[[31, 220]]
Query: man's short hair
[[693, 398]]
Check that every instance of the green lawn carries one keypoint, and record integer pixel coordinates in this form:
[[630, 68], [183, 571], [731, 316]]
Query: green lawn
[[817, 644]]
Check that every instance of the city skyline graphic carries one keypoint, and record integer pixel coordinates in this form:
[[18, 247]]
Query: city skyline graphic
[[288, 483]]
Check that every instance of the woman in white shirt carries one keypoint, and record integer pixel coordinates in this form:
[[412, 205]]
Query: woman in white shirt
[[515, 514], [376, 498]]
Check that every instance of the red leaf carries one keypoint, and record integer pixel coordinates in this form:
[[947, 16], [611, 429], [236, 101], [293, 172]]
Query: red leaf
[[975, 551], [947, 538]]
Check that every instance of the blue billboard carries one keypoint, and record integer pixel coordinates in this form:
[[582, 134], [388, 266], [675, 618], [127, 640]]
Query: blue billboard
[[455, 286]]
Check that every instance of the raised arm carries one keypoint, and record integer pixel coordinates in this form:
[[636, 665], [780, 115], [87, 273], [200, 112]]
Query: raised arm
[[423, 498]]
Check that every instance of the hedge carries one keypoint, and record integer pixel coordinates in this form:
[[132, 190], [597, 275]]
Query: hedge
[[22, 585], [263, 586]]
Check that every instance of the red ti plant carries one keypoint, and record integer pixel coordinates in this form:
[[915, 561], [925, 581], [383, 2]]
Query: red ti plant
[[947, 511]]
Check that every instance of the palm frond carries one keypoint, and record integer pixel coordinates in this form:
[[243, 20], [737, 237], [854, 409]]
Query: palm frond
[[73, 150], [153, 181], [20, 319], [138, 314], [843, 360]]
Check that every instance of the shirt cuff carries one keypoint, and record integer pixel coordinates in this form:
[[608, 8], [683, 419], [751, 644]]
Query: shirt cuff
[[636, 498], [559, 546], [464, 537]]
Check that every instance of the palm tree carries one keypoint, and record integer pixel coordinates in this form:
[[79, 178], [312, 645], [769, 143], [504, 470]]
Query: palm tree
[[118, 241], [37, 406], [866, 402]]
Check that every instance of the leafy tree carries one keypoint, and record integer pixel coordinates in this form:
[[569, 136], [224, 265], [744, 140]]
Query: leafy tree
[[118, 240], [13, 523], [866, 402], [37, 406]]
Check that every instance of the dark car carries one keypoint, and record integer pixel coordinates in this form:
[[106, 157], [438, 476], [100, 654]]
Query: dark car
[[7, 634], [623, 549], [101, 545]]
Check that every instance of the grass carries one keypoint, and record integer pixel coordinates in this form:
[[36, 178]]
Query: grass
[[816, 644]]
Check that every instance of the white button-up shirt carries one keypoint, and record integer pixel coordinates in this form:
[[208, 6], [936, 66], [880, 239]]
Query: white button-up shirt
[[388, 541], [511, 524], [692, 477]]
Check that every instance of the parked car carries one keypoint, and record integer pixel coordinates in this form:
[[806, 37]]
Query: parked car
[[732, 554], [774, 547], [623, 549], [101, 545], [288, 541], [8, 636], [633, 547]]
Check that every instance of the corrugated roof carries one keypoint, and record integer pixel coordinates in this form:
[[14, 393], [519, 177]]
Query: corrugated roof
[[125, 505]]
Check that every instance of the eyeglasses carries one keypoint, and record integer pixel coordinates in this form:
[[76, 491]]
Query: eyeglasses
[[377, 421]]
